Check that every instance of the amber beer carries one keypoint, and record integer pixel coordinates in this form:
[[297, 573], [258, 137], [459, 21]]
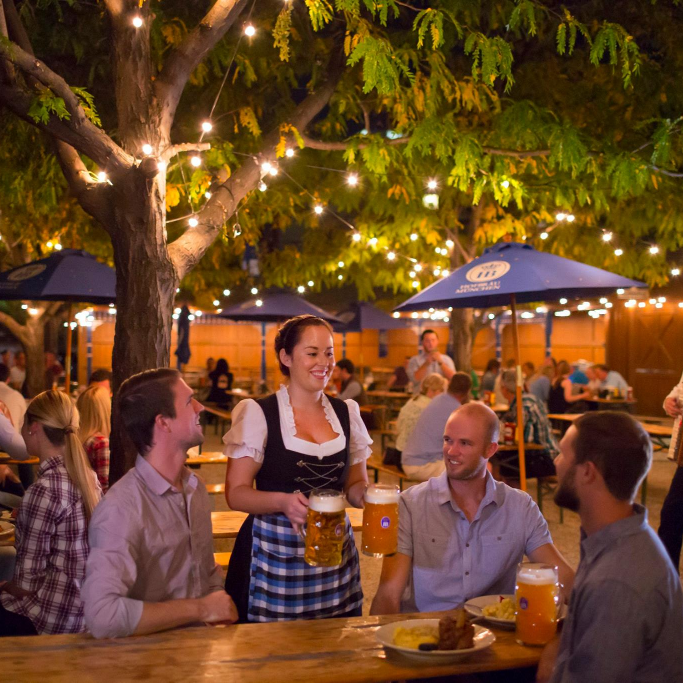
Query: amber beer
[[325, 526], [537, 597], [380, 520]]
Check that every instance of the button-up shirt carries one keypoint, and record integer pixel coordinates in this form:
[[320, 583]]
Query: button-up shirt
[[625, 620], [453, 559], [150, 542], [537, 427], [52, 547], [417, 361]]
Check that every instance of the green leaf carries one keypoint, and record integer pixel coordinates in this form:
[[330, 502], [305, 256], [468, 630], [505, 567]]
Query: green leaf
[[45, 104]]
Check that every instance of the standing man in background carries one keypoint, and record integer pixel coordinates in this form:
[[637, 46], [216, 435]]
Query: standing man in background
[[429, 360]]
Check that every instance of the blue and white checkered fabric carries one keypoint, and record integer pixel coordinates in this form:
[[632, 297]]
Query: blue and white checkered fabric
[[283, 586]]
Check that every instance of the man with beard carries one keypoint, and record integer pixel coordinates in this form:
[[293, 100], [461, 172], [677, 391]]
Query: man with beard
[[151, 564], [625, 619], [462, 534]]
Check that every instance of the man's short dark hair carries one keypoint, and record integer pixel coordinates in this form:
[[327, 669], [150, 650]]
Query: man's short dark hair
[[618, 446], [601, 366], [100, 375], [346, 364], [4, 372], [460, 384], [141, 398], [425, 333]]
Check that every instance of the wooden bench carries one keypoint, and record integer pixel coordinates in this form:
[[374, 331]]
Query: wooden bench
[[222, 559], [384, 436], [215, 489], [374, 462], [223, 417]]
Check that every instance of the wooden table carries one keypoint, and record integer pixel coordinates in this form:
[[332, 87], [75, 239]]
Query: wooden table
[[207, 458], [326, 650], [657, 429], [6, 459], [226, 524], [402, 395]]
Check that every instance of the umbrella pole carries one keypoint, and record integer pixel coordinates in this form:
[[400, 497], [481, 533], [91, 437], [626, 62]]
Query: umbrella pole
[[67, 360], [520, 407], [263, 354]]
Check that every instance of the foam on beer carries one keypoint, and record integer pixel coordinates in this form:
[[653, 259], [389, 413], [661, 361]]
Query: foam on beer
[[326, 503], [381, 495], [537, 575]]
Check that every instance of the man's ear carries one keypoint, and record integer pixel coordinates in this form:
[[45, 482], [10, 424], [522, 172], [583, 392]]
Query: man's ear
[[491, 450], [162, 422], [588, 473]]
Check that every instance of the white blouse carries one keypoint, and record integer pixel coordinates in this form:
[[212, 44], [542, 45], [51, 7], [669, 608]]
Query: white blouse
[[249, 432]]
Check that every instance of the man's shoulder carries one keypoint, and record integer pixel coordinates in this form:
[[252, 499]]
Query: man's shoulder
[[420, 494], [123, 496]]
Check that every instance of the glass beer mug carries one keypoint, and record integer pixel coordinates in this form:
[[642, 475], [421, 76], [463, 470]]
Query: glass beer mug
[[537, 599], [380, 520], [325, 527]]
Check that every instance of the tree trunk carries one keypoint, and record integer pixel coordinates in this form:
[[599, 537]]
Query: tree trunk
[[462, 329], [34, 346], [145, 289]]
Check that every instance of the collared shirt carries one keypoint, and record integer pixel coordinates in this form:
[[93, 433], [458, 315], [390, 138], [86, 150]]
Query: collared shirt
[[537, 428], [540, 388], [453, 559], [615, 381], [52, 548], [97, 450], [150, 542], [625, 621], [425, 443], [416, 362], [10, 440], [15, 402]]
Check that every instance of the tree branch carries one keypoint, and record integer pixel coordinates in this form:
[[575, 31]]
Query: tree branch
[[188, 249], [171, 151], [19, 331], [77, 130], [184, 59], [671, 174]]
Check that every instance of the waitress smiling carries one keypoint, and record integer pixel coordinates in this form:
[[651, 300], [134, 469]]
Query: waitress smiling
[[288, 444]]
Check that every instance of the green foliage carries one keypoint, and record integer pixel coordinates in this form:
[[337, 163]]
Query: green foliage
[[429, 20], [87, 104], [491, 59], [612, 40], [45, 104], [381, 68], [281, 32]]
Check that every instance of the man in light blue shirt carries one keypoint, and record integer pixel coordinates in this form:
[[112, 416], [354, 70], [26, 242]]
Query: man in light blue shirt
[[422, 457], [462, 534], [610, 379], [429, 360]]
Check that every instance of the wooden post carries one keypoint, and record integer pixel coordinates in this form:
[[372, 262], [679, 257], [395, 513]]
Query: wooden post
[[520, 408], [67, 360]]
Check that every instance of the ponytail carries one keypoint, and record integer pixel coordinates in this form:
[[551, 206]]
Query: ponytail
[[59, 417]]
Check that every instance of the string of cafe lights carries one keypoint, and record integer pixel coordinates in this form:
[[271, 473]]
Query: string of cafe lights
[[271, 169]]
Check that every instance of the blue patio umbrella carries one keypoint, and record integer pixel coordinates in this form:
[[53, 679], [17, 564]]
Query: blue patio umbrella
[[509, 273], [362, 315], [270, 308], [67, 275]]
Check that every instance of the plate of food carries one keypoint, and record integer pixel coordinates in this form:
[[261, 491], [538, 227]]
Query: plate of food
[[439, 640], [6, 530], [496, 609]]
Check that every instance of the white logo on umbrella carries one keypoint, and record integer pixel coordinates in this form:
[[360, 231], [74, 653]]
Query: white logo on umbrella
[[26, 272], [485, 272]]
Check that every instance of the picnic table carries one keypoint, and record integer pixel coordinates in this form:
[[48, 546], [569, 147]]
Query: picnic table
[[656, 429], [227, 523], [326, 650]]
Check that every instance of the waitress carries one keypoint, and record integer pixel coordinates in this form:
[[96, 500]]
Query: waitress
[[290, 443]]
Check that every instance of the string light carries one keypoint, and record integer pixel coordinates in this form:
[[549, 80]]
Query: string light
[[675, 272], [196, 161], [563, 301], [102, 177], [216, 302], [560, 216], [356, 237], [618, 252], [262, 186], [661, 299], [450, 244], [289, 152], [416, 284], [432, 184], [620, 291], [571, 218], [254, 290], [396, 314], [301, 289], [259, 303], [147, 149], [318, 209], [249, 31], [207, 194], [411, 274], [372, 241], [413, 236], [417, 267], [544, 235], [310, 283], [444, 273], [352, 179], [266, 166], [341, 264], [207, 126], [58, 246], [340, 277], [226, 292], [49, 245], [391, 256], [654, 249], [137, 21], [193, 222], [607, 236], [505, 184]]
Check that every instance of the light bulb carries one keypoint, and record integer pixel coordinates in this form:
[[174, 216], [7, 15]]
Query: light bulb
[[147, 149], [273, 171], [102, 177], [618, 252], [570, 218], [450, 244], [396, 314], [262, 186], [249, 31], [216, 302], [675, 271], [411, 273], [289, 152], [417, 267], [544, 235], [318, 209], [444, 273], [391, 256], [606, 236], [560, 216], [259, 303], [254, 290], [196, 161], [226, 292], [58, 246], [341, 264], [207, 126], [301, 289], [603, 300], [137, 21], [266, 166], [413, 237], [356, 237], [654, 249], [372, 241], [416, 284], [352, 179], [437, 271], [207, 194], [432, 184], [49, 245], [340, 277], [505, 184], [620, 291], [563, 301], [310, 283], [193, 222]]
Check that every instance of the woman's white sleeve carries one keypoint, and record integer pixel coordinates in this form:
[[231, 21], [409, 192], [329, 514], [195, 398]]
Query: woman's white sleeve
[[248, 432], [360, 439]]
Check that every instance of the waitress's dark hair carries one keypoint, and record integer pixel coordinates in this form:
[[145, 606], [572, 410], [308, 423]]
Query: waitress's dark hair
[[289, 334]]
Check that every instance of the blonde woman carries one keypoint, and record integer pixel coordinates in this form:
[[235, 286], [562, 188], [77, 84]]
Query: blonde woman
[[432, 385], [52, 525], [94, 406]]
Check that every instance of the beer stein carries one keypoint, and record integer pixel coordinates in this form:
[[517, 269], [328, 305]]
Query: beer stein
[[380, 520], [325, 527], [537, 599]]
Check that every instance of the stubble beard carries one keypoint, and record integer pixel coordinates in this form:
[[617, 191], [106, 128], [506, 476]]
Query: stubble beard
[[565, 493]]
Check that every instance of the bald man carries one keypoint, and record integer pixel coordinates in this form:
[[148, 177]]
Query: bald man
[[462, 534]]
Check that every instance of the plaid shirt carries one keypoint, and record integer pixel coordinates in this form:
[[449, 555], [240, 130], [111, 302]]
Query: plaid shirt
[[52, 547], [97, 449], [537, 427]]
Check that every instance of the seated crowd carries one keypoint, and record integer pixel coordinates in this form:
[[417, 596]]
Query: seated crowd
[[138, 558]]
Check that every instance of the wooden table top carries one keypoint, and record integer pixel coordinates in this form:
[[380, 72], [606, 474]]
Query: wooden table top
[[618, 401], [226, 524], [651, 429], [402, 395], [327, 650], [6, 459], [206, 457]]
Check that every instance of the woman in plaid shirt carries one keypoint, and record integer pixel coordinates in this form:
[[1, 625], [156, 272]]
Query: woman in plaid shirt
[[94, 406], [52, 525]]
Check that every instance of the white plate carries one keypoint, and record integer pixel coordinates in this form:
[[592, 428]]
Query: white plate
[[475, 605], [483, 638]]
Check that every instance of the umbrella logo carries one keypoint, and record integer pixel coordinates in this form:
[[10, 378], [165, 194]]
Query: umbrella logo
[[26, 272], [485, 272]]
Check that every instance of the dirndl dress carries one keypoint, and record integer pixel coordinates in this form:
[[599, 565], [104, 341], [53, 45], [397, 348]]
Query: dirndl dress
[[268, 578]]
